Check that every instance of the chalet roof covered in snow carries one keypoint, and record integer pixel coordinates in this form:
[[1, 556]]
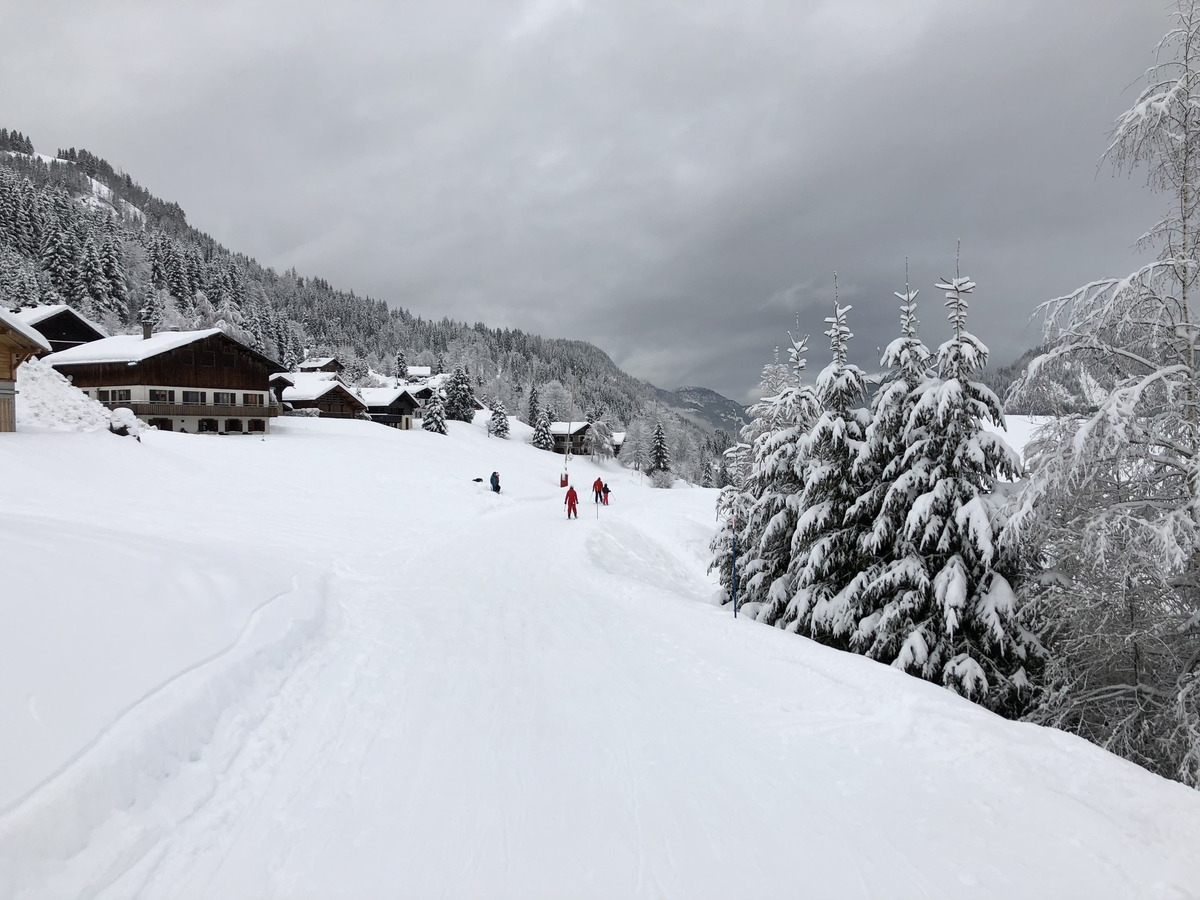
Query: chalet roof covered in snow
[[384, 396], [568, 427], [314, 385], [419, 371], [12, 323], [127, 348], [31, 315], [316, 363]]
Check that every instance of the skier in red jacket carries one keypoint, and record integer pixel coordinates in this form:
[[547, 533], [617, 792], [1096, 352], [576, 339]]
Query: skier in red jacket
[[597, 487], [572, 502]]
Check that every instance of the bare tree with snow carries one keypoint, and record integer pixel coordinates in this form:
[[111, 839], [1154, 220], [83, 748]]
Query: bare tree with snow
[[1112, 506]]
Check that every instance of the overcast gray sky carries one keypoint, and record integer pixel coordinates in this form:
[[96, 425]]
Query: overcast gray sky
[[673, 181]]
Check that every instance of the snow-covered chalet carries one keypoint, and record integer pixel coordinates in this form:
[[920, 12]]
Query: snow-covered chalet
[[195, 381]]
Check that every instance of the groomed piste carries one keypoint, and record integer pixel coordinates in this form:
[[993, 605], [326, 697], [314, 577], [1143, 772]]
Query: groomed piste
[[331, 664]]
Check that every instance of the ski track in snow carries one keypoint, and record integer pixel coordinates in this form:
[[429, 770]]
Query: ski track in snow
[[489, 700]]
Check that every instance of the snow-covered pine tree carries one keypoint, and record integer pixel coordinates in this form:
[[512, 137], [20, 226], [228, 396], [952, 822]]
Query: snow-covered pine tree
[[460, 397], [777, 472], [887, 489], [660, 456], [827, 562], [542, 438], [434, 418], [498, 423], [1110, 512], [153, 307], [401, 367], [956, 620], [535, 409]]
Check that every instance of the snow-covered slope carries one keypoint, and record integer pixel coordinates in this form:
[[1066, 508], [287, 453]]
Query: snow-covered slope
[[330, 664]]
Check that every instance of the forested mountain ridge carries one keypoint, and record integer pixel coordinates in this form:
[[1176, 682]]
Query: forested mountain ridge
[[76, 230], [707, 406]]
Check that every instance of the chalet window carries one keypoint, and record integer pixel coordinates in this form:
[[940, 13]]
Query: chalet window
[[208, 357], [162, 424], [120, 395], [208, 426], [233, 426], [87, 393], [228, 360], [195, 397], [162, 397], [252, 400], [224, 398], [102, 396], [187, 357], [258, 425]]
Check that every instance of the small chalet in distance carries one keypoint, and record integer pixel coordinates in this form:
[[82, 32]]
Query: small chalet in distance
[[196, 381], [391, 406], [318, 389], [569, 436], [322, 364], [18, 342], [61, 326]]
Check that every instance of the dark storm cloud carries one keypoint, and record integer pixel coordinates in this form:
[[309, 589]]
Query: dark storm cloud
[[672, 181]]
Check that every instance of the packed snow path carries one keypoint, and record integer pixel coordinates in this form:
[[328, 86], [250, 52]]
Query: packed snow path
[[498, 702]]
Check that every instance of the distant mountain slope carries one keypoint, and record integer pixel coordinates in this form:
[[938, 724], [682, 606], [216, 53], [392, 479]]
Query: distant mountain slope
[[706, 407]]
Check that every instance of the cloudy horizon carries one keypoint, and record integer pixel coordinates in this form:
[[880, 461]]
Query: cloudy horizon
[[675, 182]]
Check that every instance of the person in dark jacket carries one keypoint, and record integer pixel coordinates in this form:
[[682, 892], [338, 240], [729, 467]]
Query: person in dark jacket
[[605, 492], [496, 482], [572, 502], [597, 487]]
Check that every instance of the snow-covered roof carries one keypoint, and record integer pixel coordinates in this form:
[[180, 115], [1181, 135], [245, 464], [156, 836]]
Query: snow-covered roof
[[313, 386], [127, 348], [567, 427], [419, 371], [316, 363], [289, 377], [31, 315], [383, 396], [12, 323], [618, 437]]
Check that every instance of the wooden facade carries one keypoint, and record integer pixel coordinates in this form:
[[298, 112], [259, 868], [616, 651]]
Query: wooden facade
[[338, 402], [392, 407], [18, 342]]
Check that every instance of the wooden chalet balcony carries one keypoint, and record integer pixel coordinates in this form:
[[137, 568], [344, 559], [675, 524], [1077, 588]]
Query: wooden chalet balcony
[[207, 410]]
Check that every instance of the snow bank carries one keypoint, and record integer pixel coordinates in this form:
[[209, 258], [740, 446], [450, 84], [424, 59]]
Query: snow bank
[[46, 401]]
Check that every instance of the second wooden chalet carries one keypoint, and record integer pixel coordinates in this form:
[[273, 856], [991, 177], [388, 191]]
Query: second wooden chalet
[[323, 391], [18, 342], [391, 406], [195, 381], [569, 436], [61, 326], [322, 364]]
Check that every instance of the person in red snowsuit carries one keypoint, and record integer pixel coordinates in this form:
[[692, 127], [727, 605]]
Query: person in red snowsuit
[[572, 502], [597, 487]]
